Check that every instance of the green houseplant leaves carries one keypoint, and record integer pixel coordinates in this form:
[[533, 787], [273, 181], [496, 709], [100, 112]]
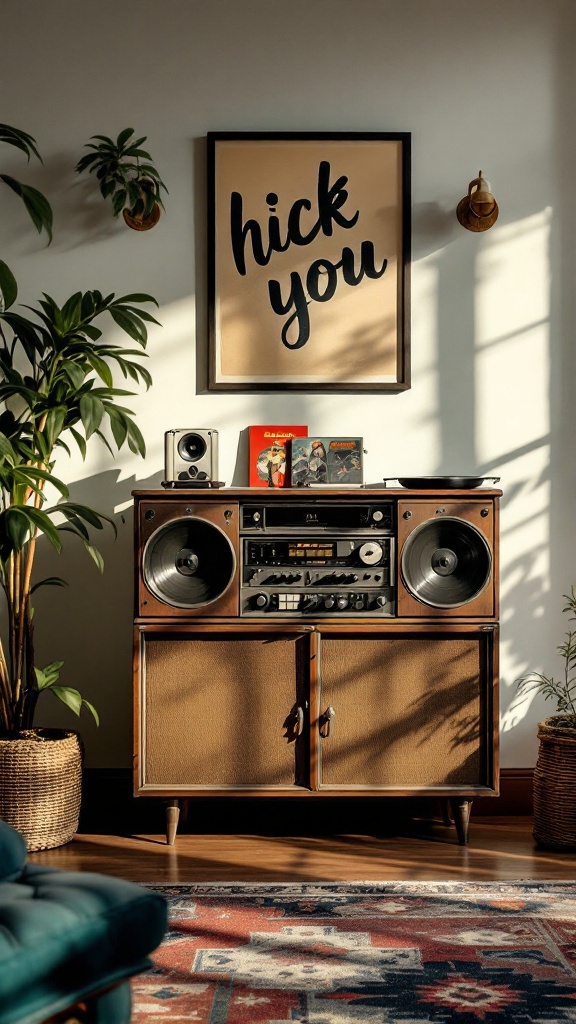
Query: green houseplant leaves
[[561, 689], [125, 173], [57, 388]]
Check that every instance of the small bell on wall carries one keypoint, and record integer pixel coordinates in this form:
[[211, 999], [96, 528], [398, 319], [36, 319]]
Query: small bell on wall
[[478, 211]]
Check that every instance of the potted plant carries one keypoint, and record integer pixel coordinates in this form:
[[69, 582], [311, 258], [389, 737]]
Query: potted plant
[[555, 771], [56, 388], [134, 187]]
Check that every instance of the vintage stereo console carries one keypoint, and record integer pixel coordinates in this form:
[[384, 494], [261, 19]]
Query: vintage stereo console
[[315, 558], [375, 608]]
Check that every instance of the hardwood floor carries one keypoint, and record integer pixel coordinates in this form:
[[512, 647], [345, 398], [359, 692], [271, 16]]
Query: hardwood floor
[[498, 848]]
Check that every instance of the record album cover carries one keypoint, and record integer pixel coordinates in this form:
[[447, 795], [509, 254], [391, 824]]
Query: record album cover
[[269, 448], [327, 461]]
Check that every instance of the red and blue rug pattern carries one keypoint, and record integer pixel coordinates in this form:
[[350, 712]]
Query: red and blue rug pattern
[[445, 952]]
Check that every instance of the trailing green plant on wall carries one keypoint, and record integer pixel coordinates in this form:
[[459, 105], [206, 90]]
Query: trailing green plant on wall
[[127, 176], [57, 388]]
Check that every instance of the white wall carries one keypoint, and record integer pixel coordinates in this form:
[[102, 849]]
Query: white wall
[[481, 86]]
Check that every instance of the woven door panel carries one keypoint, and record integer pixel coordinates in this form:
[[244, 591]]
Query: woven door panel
[[214, 712], [407, 712]]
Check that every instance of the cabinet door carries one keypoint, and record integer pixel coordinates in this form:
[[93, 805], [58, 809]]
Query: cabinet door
[[221, 710], [412, 713]]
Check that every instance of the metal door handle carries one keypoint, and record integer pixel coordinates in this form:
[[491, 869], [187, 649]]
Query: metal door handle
[[299, 727], [325, 721]]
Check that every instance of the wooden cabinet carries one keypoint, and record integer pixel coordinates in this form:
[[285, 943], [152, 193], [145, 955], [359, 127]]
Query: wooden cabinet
[[326, 711], [316, 644]]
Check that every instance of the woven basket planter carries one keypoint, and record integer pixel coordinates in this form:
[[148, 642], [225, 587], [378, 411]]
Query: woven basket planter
[[40, 786], [555, 786]]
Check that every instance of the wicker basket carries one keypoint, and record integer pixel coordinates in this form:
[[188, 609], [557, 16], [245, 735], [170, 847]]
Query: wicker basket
[[555, 786], [40, 786]]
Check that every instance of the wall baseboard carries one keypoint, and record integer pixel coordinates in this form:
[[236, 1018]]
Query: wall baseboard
[[515, 794], [109, 808]]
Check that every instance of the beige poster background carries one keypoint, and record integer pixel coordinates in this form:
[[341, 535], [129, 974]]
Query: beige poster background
[[354, 336]]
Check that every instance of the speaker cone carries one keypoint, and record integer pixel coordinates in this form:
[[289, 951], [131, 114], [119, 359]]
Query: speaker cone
[[191, 447], [446, 562], [188, 563]]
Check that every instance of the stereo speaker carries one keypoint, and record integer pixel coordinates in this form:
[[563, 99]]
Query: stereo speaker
[[191, 456], [187, 559], [447, 559]]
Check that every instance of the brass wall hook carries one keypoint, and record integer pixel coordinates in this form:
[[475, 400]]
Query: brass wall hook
[[478, 211]]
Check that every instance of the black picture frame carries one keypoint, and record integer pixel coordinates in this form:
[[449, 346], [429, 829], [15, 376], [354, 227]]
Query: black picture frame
[[309, 249]]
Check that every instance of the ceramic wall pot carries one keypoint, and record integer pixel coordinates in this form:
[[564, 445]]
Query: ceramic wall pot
[[140, 223]]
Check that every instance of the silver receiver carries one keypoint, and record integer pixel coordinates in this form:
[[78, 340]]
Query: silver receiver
[[301, 561]]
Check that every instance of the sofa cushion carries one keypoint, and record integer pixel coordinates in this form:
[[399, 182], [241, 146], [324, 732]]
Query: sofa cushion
[[12, 852], [64, 934]]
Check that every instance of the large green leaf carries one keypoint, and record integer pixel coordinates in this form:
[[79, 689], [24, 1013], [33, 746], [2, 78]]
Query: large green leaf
[[47, 676], [49, 581], [75, 508], [23, 520], [91, 411], [71, 697], [130, 323], [20, 139], [55, 421], [71, 311], [8, 287], [36, 204]]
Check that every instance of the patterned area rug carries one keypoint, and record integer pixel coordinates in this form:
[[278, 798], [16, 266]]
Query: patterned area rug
[[449, 952]]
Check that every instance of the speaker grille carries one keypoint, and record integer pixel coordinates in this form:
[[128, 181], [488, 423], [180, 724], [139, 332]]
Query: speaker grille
[[188, 563], [407, 712], [446, 563], [209, 717]]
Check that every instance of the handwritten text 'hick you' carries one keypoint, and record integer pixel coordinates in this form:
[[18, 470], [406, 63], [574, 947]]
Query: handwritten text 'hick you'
[[321, 280]]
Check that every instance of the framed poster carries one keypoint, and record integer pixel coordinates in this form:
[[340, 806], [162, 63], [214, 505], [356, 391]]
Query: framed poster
[[308, 261]]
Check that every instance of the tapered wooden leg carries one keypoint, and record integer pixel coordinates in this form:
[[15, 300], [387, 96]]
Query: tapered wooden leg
[[461, 812], [445, 809], [172, 816]]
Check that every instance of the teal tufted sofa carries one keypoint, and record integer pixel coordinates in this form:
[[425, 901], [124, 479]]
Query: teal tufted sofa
[[69, 938]]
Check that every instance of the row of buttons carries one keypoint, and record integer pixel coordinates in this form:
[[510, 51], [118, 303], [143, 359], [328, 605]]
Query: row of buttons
[[317, 602]]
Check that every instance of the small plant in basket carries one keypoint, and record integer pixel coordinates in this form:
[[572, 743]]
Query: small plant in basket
[[563, 688]]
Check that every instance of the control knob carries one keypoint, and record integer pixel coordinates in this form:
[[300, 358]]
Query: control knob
[[261, 600], [380, 601], [370, 553], [329, 601], [342, 601]]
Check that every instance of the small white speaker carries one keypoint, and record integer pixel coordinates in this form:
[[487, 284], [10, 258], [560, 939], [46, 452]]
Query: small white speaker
[[191, 456]]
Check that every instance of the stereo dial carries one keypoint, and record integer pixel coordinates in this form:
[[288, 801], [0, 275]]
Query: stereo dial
[[370, 553]]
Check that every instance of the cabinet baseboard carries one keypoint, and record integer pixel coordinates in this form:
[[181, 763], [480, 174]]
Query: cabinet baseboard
[[109, 808]]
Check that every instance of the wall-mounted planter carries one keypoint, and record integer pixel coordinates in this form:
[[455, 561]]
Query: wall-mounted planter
[[139, 222], [133, 187]]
